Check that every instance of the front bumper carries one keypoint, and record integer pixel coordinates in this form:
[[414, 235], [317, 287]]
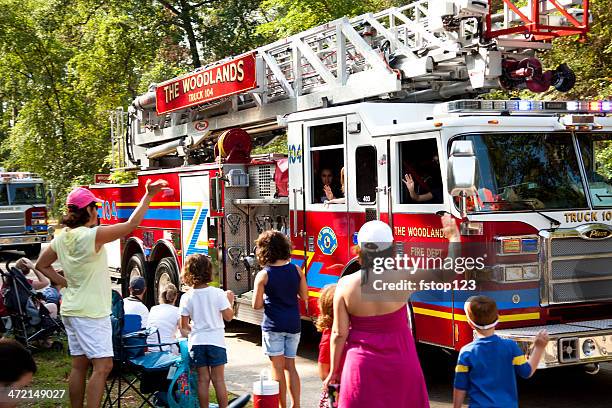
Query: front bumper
[[15, 240], [569, 344]]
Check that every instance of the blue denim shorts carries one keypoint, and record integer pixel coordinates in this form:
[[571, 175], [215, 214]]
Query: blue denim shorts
[[206, 355], [280, 344]]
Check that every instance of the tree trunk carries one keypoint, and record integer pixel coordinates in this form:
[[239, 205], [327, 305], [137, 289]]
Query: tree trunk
[[185, 17]]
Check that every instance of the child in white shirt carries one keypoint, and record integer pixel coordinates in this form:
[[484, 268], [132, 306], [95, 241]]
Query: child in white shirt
[[165, 318], [206, 306]]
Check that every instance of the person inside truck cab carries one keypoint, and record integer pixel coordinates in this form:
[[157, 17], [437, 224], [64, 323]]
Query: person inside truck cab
[[425, 184], [327, 188], [329, 193]]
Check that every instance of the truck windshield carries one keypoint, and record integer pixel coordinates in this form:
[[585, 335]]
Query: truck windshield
[[27, 193], [596, 151], [3, 194], [521, 171]]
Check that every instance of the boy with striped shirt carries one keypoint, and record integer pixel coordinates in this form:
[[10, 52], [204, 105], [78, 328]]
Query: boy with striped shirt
[[487, 367]]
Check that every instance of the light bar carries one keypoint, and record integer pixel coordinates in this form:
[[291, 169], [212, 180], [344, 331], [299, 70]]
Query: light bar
[[528, 106]]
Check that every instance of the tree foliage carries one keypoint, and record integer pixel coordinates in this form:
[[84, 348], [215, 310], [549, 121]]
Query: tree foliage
[[64, 64]]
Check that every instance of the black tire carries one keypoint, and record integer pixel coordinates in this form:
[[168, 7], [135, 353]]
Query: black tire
[[166, 272], [135, 267], [32, 251]]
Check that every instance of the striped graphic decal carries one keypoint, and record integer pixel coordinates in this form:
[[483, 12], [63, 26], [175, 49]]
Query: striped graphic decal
[[314, 277], [198, 217]]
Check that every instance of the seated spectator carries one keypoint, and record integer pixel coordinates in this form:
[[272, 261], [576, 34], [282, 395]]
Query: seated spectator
[[134, 304], [22, 368], [26, 266], [52, 293], [165, 317]]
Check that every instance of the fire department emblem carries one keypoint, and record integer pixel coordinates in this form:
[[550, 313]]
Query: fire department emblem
[[327, 241]]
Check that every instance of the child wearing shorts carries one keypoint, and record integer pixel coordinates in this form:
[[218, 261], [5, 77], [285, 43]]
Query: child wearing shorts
[[276, 290], [207, 307], [487, 367]]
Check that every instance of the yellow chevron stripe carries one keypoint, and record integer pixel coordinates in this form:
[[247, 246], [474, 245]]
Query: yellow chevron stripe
[[309, 255], [462, 318], [314, 294]]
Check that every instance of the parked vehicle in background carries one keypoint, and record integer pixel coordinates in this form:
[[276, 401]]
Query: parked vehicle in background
[[24, 223]]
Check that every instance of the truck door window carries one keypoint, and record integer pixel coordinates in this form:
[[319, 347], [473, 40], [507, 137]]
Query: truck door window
[[420, 178], [366, 174], [327, 161]]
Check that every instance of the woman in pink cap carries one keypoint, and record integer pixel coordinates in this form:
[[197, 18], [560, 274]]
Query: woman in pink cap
[[86, 293]]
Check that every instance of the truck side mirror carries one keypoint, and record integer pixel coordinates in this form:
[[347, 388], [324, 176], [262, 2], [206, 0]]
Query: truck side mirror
[[462, 172]]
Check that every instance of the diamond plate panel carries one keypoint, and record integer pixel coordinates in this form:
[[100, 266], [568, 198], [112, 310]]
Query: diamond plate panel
[[553, 329], [603, 324]]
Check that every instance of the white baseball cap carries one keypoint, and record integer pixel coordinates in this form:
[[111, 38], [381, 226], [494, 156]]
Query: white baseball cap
[[376, 232]]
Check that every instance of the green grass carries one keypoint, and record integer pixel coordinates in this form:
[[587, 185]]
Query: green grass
[[52, 372], [53, 368]]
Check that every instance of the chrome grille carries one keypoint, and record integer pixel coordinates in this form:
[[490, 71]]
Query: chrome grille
[[577, 269], [582, 268], [579, 246], [582, 291]]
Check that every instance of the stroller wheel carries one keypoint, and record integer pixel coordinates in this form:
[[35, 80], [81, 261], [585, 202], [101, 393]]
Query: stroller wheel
[[57, 346]]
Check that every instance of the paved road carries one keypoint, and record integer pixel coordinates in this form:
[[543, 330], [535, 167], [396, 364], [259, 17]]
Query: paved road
[[558, 388]]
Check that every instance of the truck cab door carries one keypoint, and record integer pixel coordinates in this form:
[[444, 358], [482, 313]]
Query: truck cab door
[[295, 140], [325, 177], [418, 229]]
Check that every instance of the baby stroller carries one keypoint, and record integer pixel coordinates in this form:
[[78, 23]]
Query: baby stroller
[[160, 378], [29, 319]]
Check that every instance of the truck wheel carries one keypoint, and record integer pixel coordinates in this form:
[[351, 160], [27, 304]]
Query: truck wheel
[[135, 267], [32, 251], [166, 273]]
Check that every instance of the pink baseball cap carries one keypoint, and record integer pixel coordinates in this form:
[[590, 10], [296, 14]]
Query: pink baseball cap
[[81, 198]]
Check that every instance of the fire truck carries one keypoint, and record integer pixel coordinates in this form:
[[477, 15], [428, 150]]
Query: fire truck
[[386, 108], [23, 213]]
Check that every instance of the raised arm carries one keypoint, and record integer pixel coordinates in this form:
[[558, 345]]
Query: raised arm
[[44, 265], [41, 280], [109, 233]]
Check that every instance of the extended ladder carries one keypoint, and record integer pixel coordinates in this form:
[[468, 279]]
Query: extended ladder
[[427, 50]]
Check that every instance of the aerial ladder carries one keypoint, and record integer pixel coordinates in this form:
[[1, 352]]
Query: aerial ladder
[[424, 51]]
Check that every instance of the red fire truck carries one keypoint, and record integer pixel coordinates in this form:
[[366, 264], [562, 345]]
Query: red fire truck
[[384, 107]]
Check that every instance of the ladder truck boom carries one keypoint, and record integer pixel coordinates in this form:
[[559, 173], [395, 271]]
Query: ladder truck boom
[[424, 51]]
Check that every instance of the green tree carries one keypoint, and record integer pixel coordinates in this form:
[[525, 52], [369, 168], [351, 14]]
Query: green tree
[[64, 65], [287, 17]]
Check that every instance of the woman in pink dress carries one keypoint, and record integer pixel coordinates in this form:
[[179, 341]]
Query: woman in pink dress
[[373, 355]]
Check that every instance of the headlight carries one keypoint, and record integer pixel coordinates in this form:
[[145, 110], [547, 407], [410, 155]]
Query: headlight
[[531, 272], [514, 273]]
